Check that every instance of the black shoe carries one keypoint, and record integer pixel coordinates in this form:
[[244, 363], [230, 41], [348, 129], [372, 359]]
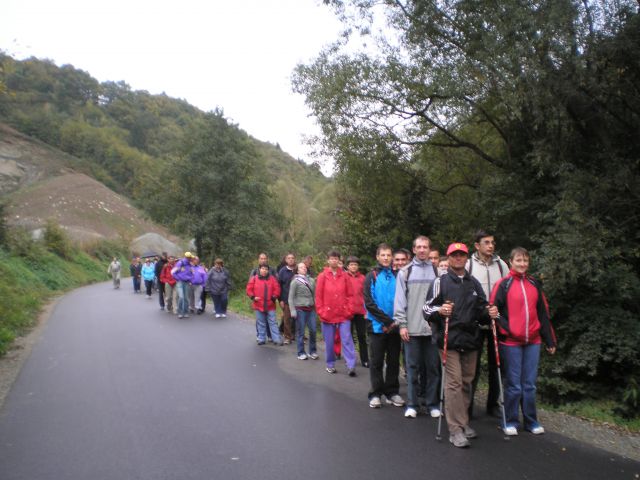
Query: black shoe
[[352, 372]]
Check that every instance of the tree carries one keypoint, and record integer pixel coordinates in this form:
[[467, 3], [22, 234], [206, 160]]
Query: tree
[[528, 114], [216, 192]]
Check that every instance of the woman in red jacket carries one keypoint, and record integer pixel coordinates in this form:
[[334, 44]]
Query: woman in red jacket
[[333, 300], [356, 280], [166, 278], [264, 290], [523, 325]]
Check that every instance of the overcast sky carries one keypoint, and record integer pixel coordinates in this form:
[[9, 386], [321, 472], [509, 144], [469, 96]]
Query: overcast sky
[[234, 54]]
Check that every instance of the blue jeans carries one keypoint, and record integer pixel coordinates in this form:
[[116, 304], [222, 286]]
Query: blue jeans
[[521, 370], [183, 300], [220, 303], [420, 351], [261, 322], [306, 319]]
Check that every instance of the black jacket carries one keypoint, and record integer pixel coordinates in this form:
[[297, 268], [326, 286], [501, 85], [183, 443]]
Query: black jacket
[[470, 310]]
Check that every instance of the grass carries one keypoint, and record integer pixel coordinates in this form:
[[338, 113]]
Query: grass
[[241, 304], [600, 411], [30, 277]]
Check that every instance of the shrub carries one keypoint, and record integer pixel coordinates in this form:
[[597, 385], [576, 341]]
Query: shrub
[[57, 241]]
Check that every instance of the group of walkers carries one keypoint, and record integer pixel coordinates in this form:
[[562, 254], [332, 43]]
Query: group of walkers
[[434, 312], [183, 284]]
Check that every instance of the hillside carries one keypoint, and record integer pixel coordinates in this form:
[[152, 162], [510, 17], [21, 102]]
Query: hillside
[[131, 141], [39, 183]]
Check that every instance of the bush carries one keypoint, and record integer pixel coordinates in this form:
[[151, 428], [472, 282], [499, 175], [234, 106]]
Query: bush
[[57, 241]]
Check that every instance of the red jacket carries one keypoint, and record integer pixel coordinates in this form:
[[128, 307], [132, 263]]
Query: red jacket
[[165, 275], [357, 298], [524, 316], [333, 296], [263, 291]]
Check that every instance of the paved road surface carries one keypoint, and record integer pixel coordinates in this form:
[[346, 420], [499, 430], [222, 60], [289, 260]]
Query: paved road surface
[[116, 389]]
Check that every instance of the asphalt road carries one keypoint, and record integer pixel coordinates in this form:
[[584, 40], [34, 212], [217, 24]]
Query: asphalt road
[[116, 389]]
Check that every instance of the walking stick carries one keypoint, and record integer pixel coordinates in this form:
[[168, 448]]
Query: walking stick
[[444, 371], [500, 390]]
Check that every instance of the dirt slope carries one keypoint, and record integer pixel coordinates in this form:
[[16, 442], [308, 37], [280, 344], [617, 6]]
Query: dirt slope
[[37, 184]]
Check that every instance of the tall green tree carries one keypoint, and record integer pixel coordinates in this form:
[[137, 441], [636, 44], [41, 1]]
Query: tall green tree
[[216, 192], [517, 116]]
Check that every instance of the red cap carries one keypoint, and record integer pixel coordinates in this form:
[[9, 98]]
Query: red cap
[[457, 247]]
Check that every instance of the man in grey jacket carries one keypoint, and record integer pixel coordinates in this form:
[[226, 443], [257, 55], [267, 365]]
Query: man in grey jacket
[[486, 267], [412, 284]]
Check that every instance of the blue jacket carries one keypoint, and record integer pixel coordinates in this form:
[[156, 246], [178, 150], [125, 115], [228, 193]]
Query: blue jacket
[[148, 272], [379, 293]]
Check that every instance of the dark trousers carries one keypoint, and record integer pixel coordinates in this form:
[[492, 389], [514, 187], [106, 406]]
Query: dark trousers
[[384, 347], [161, 293], [423, 366], [360, 324], [494, 386], [148, 285], [203, 301], [136, 284]]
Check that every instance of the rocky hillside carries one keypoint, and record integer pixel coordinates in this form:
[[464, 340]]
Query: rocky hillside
[[39, 183]]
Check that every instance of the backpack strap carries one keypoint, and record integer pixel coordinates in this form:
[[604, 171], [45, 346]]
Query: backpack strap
[[406, 282]]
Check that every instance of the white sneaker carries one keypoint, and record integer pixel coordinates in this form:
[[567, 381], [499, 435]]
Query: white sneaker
[[375, 402], [435, 412], [302, 356], [396, 400], [217, 315], [313, 356], [410, 413], [510, 431], [223, 315], [539, 430]]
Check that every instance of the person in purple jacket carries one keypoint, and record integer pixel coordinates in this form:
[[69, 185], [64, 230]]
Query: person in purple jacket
[[182, 272], [198, 279]]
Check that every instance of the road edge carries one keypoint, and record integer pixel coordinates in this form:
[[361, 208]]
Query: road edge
[[20, 350]]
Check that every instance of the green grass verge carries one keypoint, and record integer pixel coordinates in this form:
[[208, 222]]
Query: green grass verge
[[29, 280], [600, 411], [241, 304]]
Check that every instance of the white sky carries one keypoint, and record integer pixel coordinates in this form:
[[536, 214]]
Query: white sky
[[234, 54]]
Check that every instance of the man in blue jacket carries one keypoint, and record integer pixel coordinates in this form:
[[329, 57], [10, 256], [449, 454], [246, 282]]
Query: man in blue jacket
[[379, 292]]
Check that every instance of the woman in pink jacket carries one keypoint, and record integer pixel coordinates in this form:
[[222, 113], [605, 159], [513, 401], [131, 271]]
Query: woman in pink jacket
[[333, 305]]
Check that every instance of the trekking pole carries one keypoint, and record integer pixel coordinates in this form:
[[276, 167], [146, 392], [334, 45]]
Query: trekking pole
[[444, 371], [500, 389]]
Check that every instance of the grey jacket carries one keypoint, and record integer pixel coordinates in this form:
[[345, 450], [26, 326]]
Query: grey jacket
[[487, 274], [410, 296], [218, 281], [300, 295]]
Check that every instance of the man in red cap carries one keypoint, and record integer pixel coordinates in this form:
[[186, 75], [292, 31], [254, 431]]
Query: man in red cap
[[457, 299]]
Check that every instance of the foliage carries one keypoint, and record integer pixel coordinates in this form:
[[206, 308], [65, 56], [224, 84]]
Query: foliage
[[3, 225], [131, 140], [29, 275], [56, 241], [216, 193], [517, 117]]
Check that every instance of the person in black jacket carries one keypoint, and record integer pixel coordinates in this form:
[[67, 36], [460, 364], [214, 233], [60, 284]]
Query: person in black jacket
[[458, 297], [135, 269], [158, 270]]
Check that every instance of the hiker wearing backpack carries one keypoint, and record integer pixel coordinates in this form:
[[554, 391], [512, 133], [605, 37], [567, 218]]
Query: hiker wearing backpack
[[384, 341], [487, 267], [455, 306], [412, 285]]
